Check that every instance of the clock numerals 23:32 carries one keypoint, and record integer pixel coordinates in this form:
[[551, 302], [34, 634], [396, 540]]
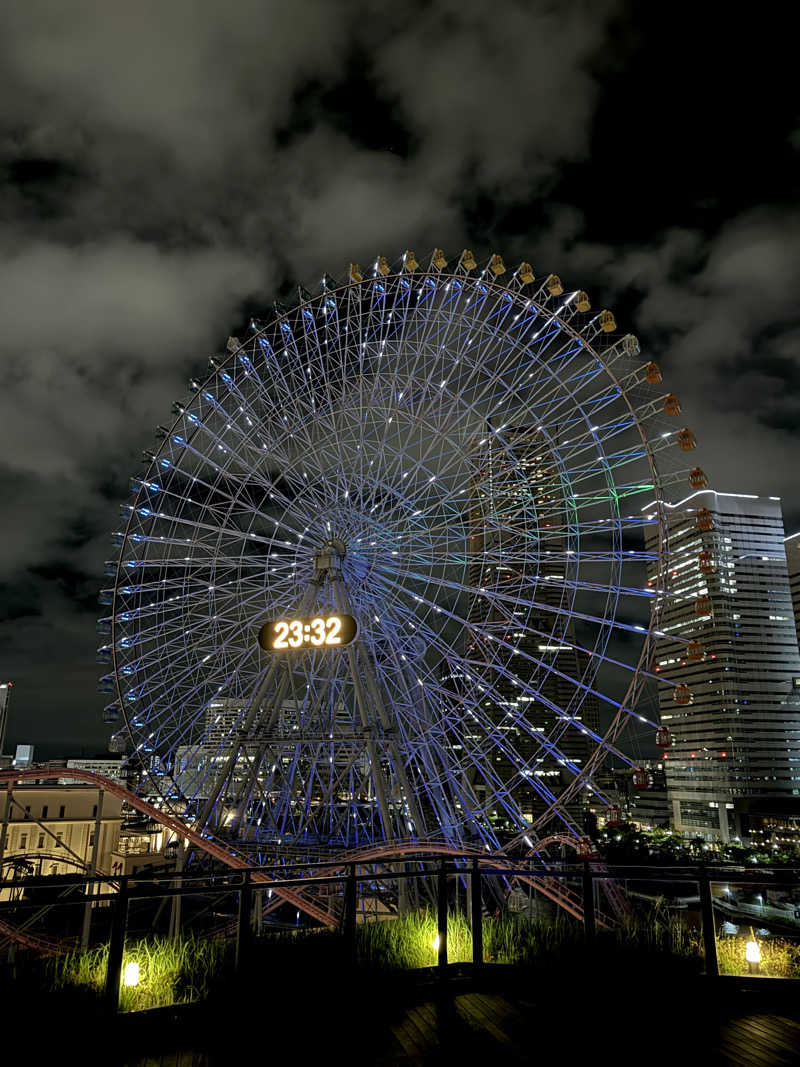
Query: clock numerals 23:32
[[323, 631], [318, 631]]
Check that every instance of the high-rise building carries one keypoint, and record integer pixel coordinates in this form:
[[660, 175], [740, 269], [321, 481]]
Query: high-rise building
[[792, 545], [728, 697], [535, 660]]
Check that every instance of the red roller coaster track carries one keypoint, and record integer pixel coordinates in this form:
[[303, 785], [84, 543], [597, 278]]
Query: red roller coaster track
[[554, 888]]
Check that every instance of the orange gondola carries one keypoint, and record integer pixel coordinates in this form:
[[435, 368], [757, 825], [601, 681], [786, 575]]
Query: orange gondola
[[704, 520]]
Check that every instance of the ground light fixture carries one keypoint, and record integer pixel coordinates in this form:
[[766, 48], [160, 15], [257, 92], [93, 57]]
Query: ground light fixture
[[130, 976], [436, 942], [752, 953]]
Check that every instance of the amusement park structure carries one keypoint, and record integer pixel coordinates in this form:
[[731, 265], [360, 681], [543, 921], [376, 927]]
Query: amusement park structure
[[451, 459]]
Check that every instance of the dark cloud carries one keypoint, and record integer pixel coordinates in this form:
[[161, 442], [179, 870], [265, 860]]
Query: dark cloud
[[164, 166]]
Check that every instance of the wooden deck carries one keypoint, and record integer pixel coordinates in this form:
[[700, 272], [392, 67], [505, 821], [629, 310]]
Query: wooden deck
[[488, 1027]]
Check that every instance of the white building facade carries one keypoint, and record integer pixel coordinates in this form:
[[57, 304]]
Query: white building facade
[[736, 745], [51, 829]]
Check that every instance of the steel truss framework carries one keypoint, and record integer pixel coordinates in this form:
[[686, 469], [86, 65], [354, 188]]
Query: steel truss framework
[[470, 450], [305, 900]]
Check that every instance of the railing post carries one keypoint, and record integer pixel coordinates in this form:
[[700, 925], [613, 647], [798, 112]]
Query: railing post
[[116, 946], [441, 900], [707, 915], [476, 899], [589, 917], [6, 816], [349, 911], [177, 900], [244, 929], [93, 888]]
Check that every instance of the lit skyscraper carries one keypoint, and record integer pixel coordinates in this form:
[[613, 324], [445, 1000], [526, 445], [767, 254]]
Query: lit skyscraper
[[736, 750], [793, 562], [540, 660]]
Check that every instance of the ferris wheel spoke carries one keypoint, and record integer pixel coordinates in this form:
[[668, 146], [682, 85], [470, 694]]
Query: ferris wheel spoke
[[502, 597], [466, 452]]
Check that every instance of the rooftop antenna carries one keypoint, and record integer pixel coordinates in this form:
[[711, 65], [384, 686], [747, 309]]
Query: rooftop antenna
[[5, 698]]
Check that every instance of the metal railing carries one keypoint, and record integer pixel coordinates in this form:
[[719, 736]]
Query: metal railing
[[121, 891]]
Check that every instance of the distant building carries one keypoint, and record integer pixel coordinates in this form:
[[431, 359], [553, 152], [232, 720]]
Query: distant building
[[50, 830], [737, 742], [23, 756], [108, 768], [649, 808], [538, 667]]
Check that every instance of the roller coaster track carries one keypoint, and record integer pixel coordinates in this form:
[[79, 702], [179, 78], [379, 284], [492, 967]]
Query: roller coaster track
[[171, 822], [554, 888]]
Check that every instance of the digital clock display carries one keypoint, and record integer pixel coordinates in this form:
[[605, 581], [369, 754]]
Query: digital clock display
[[323, 631]]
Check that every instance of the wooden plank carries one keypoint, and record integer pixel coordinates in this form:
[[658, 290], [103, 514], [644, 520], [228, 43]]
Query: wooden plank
[[425, 1028], [470, 1003], [407, 1043], [756, 1041], [768, 1028], [413, 1036]]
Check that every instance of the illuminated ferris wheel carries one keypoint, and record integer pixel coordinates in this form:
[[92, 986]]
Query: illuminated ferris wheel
[[383, 577]]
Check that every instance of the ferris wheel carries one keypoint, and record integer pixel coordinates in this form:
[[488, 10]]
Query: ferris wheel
[[384, 578]]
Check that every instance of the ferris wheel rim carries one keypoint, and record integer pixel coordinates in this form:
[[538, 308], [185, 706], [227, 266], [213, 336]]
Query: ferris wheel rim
[[350, 287]]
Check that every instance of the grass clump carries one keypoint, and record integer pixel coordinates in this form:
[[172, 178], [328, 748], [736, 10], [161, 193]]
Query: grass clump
[[171, 971], [779, 958]]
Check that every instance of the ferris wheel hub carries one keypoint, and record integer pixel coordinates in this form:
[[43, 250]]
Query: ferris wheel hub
[[330, 556]]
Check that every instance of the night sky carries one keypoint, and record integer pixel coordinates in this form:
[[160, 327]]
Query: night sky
[[167, 168]]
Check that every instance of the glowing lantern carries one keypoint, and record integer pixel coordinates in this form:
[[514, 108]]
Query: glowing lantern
[[752, 953], [130, 976]]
